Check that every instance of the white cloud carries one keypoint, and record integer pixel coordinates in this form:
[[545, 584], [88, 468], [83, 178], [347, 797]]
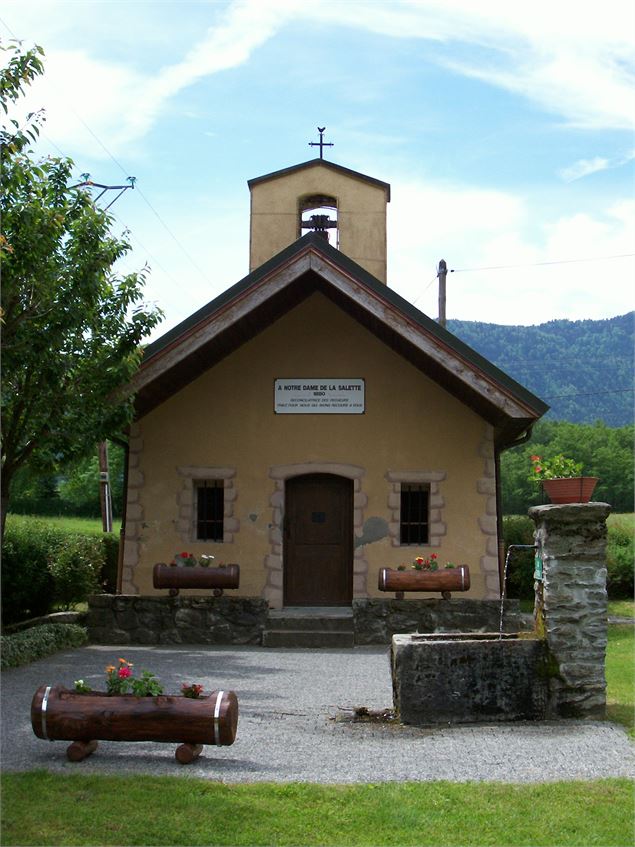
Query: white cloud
[[583, 167], [580, 66], [563, 271]]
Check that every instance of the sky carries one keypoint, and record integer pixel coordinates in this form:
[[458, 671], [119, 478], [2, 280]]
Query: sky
[[505, 129]]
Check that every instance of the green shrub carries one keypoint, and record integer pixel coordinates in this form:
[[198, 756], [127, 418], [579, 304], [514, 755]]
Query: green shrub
[[27, 585], [620, 558], [40, 641], [28, 548], [519, 529], [75, 567], [108, 580]]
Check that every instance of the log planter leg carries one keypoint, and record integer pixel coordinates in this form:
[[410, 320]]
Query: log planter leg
[[186, 753], [80, 750]]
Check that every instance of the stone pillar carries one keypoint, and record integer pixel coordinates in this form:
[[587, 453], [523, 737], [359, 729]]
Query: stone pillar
[[571, 604]]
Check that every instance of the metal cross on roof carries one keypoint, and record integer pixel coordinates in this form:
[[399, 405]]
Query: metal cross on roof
[[321, 143]]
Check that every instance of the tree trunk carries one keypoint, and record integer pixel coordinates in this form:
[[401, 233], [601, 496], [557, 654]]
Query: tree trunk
[[5, 488]]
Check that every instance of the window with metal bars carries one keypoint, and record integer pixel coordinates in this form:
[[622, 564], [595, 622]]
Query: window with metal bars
[[210, 508], [414, 515]]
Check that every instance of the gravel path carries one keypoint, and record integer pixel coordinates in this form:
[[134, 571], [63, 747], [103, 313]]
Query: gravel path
[[296, 724]]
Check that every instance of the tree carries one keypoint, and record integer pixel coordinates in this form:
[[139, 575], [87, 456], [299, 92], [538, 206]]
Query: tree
[[605, 452], [72, 327]]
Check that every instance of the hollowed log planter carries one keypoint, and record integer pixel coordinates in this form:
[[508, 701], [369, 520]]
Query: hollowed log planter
[[445, 581], [58, 714], [177, 577]]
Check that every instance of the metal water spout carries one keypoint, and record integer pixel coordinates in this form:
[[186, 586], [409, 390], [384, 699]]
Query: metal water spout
[[504, 591]]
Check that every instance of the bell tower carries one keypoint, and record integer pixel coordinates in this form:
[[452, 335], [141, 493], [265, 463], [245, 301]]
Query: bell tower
[[346, 207]]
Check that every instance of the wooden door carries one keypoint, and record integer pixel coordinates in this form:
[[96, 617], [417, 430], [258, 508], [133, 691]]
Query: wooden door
[[318, 535]]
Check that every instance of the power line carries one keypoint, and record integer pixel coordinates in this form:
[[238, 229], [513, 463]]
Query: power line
[[172, 235], [144, 198], [540, 264], [416, 300], [592, 393]]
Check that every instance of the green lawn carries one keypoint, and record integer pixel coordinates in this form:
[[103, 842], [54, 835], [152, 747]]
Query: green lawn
[[624, 519], [85, 526], [41, 809], [622, 608], [620, 676]]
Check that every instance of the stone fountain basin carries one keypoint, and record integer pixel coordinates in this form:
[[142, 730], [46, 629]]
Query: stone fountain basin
[[480, 677]]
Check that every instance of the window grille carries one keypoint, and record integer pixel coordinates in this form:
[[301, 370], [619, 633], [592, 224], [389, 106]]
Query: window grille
[[210, 508], [414, 522]]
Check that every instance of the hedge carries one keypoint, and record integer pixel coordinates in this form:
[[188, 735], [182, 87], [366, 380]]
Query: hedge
[[38, 642], [43, 565]]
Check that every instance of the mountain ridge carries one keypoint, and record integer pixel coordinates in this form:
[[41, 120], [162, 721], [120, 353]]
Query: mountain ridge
[[583, 369]]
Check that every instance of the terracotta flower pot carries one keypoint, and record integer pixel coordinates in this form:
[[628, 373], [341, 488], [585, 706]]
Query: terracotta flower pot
[[575, 489]]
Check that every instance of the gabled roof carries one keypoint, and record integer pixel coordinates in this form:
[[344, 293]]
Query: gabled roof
[[310, 264], [325, 163]]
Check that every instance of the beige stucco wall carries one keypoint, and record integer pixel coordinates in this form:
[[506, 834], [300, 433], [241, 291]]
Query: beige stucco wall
[[361, 215], [225, 420]]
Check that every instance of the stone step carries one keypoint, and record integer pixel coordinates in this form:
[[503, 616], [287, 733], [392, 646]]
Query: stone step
[[307, 638], [280, 621]]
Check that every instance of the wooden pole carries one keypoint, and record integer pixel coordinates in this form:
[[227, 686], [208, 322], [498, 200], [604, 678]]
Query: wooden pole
[[442, 274], [104, 488]]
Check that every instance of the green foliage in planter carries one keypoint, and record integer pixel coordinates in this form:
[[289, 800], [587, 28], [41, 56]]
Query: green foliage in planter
[[38, 642], [75, 567]]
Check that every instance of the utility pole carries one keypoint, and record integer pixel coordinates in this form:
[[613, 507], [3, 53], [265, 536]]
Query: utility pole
[[442, 274], [105, 497]]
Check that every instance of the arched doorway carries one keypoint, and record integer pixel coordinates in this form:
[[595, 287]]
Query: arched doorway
[[318, 541]]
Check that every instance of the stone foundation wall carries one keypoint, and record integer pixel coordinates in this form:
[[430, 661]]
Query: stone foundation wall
[[377, 620], [133, 619], [571, 603]]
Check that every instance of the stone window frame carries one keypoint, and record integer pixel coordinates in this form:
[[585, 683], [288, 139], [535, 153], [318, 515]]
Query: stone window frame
[[437, 528], [186, 501]]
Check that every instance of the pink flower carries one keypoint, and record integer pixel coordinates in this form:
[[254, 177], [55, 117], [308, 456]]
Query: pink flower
[[124, 672]]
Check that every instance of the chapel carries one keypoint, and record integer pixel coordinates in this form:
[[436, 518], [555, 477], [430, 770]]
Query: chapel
[[310, 424]]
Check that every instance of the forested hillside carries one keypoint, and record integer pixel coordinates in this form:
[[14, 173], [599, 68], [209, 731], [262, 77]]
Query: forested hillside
[[583, 369]]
